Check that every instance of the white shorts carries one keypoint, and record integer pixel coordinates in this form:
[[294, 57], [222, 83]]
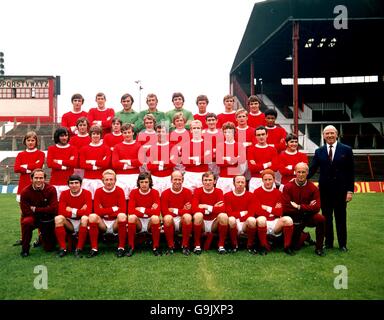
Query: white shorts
[[193, 180], [127, 182], [109, 224], [92, 185], [60, 189], [177, 221], [225, 184], [75, 224], [144, 224], [240, 226], [161, 183], [271, 226], [208, 225]]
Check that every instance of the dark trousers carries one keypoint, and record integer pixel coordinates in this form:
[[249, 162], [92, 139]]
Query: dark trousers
[[313, 221], [47, 230], [337, 206]]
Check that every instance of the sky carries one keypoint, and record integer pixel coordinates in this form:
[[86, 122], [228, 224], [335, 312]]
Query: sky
[[171, 46]]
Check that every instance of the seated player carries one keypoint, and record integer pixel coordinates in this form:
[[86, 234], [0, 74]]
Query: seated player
[[144, 213], [239, 205], [75, 205], [301, 201], [209, 214], [109, 214], [176, 209], [268, 210]]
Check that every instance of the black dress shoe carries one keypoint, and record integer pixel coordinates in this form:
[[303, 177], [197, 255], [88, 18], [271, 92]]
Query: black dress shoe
[[169, 251], [221, 250], [289, 251], [186, 251], [343, 249], [93, 253], [62, 253], [120, 253], [78, 253], [252, 251], [320, 252], [24, 254], [18, 242], [197, 250], [130, 252], [156, 252]]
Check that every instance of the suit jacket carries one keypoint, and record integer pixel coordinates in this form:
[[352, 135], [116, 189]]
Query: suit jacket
[[337, 176]]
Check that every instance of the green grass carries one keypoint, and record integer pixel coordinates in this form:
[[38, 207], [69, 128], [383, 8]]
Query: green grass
[[209, 276]]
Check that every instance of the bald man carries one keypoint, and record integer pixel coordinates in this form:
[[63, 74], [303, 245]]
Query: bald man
[[336, 184]]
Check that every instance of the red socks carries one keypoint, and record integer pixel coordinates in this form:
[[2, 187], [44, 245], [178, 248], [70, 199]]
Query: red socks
[[251, 232], [262, 233], [82, 237], [131, 234], [155, 229], [287, 231], [197, 234], [186, 230], [233, 235], [122, 231], [208, 240], [223, 230], [60, 236], [94, 235], [169, 235]]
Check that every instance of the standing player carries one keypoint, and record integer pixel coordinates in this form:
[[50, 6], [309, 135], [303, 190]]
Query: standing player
[[80, 140], [125, 160], [268, 210], [213, 137], [276, 134], [202, 103], [209, 214], [159, 116], [62, 158], [229, 113], [289, 158], [101, 115], [255, 117], [176, 209], [260, 156], [69, 119], [147, 137], [178, 102], [239, 205], [75, 205], [109, 214], [144, 213], [94, 159], [113, 138], [127, 115]]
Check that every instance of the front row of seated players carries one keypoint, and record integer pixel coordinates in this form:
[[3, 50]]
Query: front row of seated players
[[206, 211]]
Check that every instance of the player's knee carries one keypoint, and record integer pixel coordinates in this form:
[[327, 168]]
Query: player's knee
[[251, 222], [198, 218], [59, 220], [168, 220], [121, 217], [132, 218], [232, 222], [261, 221], [187, 218], [155, 220], [287, 221], [222, 218], [84, 221], [93, 218]]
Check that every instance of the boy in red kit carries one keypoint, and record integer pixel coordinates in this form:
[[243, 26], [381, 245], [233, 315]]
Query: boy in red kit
[[196, 163], [209, 214], [160, 161], [70, 118], [79, 140], [101, 115], [94, 159], [113, 138], [176, 209], [260, 156], [227, 158], [202, 103], [301, 201], [147, 138], [268, 210], [289, 158], [229, 113], [255, 117], [180, 138], [239, 205], [212, 137], [144, 213], [109, 214], [276, 134], [27, 161], [75, 205], [125, 160], [62, 158], [38, 203]]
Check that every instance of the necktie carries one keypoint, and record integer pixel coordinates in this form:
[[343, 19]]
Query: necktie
[[330, 154]]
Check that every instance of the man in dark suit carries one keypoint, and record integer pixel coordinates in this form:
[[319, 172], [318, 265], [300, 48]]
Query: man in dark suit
[[336, 184]]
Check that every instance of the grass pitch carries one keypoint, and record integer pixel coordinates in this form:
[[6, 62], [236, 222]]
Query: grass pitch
[[304, 276]]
